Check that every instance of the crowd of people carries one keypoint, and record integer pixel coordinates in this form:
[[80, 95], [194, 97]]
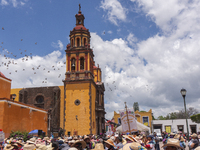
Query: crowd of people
[[104, 142]]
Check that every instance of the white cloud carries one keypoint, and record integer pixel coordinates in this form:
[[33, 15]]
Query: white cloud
[[110, 32], [4, 2], [59, 45], [32, 72], [15, 3], [115, 11], [131, 39]]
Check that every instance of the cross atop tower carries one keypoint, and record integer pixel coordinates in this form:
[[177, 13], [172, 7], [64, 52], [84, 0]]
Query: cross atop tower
[[80, 7]]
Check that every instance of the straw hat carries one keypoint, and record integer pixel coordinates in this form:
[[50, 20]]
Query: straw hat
[[72, 148], [132, 146], [177, 136], [46, 138], [112, 138], [99, 146], [42, 147], [172, 133], [29, 147], [14, 144], [72, 141], [194, 135], [86, 137], [8, 147], [82, 142], [19, 142], [110, 142], [124, 141], [197, 148], [130, 138], [173, 142]]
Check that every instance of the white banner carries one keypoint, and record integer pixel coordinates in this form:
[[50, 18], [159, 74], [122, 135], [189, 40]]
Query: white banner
[[131, 119]]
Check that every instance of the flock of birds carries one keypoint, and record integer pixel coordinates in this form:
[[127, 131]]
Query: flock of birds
[[110, 86]]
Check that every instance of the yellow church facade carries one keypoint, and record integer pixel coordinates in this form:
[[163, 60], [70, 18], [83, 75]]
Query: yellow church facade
[[83, 88]]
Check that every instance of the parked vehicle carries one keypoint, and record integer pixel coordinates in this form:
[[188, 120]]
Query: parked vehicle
[[160, 137]]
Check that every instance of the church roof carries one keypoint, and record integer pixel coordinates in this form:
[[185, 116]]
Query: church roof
[[2, 75]]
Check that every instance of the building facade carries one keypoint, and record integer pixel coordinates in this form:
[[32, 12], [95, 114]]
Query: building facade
[[47, 98], [176, 125], [141, 116], [5, 86], [16, 116], [83, 89]]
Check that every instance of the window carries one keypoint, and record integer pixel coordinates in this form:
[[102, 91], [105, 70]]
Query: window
[[84, 41], [78, 42], [73, 64], [40, 99], [72, 43], [77, 102], [145, 120], [82, 63]]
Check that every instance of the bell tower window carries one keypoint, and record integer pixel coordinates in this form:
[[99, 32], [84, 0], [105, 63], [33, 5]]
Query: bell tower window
[[73, 64], [84, 41], [78, 42], [82, 63], [72, 43]]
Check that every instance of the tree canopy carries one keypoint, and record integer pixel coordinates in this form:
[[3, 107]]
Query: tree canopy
[[180, 114]]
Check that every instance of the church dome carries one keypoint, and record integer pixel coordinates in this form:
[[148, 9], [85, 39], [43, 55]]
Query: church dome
[[79, 27]]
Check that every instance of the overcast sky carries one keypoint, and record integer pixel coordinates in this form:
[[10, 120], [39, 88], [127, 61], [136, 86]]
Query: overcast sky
[[147, 49]]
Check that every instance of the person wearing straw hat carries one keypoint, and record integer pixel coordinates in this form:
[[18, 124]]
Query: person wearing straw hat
[[89, 144], [194, 143], [133, 146], [118, 141], [29, 147], [172, 144], [129, 139], [80, 145], [99, 146], [110, 144]]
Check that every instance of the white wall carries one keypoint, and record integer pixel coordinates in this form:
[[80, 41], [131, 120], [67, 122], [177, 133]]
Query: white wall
[[174, 124]]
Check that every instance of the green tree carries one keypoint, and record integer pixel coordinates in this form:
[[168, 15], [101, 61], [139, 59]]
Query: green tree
[[195, 118], [161, 118], [136, 106]]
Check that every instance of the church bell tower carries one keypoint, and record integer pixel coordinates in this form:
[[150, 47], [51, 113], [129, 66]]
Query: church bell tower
[[84, 92]]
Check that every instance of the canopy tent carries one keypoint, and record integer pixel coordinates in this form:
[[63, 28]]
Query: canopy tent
[[140, 127], [34, 132]]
